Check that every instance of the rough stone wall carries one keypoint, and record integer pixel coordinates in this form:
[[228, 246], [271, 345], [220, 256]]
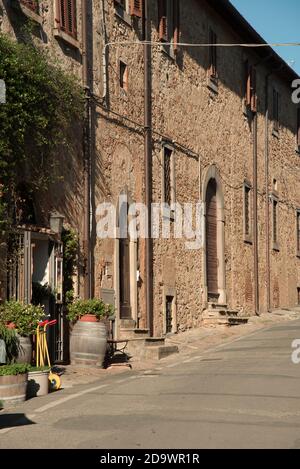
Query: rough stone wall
[[214, 127], [206, 128]]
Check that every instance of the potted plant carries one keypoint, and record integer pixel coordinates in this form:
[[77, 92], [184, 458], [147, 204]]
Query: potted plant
[[24, 319], [89, 334], [38, 381], [13, 383]]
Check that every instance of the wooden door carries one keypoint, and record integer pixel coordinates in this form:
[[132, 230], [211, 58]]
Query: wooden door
[[124, 263], [211, 241]]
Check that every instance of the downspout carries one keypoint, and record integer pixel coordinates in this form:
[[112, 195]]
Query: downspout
[[104, 54], [267, 216], [86, 154], [255, 218], [148, 164]]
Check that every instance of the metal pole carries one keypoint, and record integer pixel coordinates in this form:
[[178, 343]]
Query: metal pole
[[148, 165], [255, 244], [86, 150], [267, 219]]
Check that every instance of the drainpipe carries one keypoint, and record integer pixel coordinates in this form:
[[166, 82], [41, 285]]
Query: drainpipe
[[86, 154], [148, 165], [267, 219], [255, 218]]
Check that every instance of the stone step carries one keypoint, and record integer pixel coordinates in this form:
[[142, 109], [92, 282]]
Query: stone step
[[222, 318], [133, 333], [159, 352]]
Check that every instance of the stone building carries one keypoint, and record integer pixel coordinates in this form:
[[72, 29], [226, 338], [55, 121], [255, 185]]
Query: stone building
[[224, 134]]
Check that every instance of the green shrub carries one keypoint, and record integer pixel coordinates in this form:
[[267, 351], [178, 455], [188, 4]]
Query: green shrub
[[13, 370], [12, 343], [38, 368], [24, 317], [93, 306]]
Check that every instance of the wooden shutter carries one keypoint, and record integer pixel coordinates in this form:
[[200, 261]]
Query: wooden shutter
[[176, 25], [68, 17], [136, 8], [213, 53], [211, 240], [253, 90], [162, 20]]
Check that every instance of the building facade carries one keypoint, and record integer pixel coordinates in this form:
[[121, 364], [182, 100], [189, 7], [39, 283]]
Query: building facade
[[224, 138]]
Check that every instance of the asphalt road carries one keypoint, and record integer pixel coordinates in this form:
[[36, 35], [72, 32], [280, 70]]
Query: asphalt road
[[243, 395]]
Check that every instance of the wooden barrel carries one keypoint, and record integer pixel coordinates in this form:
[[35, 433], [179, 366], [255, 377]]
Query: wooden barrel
[[13, 389], [88, 343], [25, 350]]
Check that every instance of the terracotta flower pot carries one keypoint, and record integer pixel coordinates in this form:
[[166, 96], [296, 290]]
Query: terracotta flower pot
[[88, 318]]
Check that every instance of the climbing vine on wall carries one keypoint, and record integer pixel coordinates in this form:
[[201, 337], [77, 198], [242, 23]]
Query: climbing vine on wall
[[42, 104]]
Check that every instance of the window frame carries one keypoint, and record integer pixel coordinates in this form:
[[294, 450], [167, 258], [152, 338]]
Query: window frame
[[275, 205], [70, 37], [298, 232], [275, 111], [167, 212], [170, 11], [247, 188]]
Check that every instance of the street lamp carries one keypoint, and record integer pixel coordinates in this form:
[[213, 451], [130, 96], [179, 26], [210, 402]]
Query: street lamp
[[56, 222], [2, 92]]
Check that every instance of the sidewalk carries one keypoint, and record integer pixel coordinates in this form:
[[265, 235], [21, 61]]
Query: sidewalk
[[189, 342]]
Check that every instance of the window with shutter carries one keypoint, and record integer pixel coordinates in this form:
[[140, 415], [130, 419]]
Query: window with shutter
[[212, 54], [250, 87], [275, 224], [168, 24], [167, 176], [162, 20], [275, 111], [136, 8], [298, 232], [67, 17], [247, 213]]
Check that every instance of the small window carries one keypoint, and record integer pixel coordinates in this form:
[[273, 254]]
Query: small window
[[275, 111], [298, 232], [169, 314], [212, 54], [250, 87], [124, 76], [168, 23], [167, 176], [275, 223], [275, 185], [247, 213]]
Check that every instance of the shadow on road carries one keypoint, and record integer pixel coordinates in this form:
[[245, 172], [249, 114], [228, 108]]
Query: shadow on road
[[14, 420]]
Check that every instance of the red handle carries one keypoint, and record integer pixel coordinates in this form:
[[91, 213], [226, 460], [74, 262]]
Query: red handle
[[52, 323], [41, 324]]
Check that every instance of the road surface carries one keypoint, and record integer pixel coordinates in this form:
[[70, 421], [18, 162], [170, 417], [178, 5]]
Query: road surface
[[242, 395]]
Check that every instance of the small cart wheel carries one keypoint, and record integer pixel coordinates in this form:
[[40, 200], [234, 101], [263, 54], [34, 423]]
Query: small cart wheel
[[54, 381]]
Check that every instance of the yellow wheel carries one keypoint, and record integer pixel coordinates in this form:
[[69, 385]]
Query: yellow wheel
[[54, 381]]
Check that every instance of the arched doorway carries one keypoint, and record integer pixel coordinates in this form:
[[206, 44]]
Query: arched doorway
[[211, 241], [214, 277]]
